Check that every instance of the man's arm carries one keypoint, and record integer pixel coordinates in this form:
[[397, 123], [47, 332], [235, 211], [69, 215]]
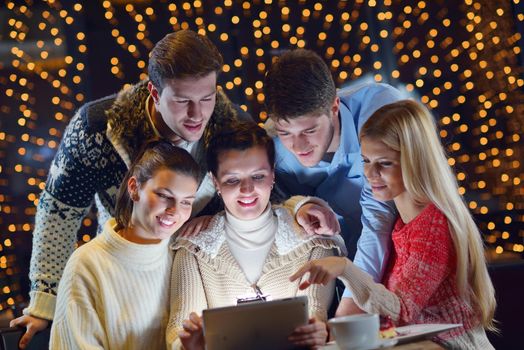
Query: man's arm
[[377, 217], [347, 306], [374, 244], [54, 238], [71, 184], [375, 241]]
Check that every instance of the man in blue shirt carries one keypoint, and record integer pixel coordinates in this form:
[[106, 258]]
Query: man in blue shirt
[[318, 151]]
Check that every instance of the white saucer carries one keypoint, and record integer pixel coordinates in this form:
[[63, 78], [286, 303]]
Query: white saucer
[[382, 343]]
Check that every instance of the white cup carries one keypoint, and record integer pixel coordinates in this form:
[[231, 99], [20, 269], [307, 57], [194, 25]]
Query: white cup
[[355, 331]]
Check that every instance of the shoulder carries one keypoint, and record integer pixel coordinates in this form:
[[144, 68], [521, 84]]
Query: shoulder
[[224, 108], [94, 112], [84, 263], [127, 118], [90, 118], [88, 252], [286, 218], [90, 121], [435, 216], [431, 219], [369, 94], [206, 242], [292, 241], [367, 89], [361, 101]]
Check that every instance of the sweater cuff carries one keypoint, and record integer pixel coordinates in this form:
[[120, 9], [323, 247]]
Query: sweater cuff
[[370, 296], [41, 305], [357, 281], [296, 202]]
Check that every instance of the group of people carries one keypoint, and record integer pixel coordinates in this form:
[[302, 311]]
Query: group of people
[[255, 210]]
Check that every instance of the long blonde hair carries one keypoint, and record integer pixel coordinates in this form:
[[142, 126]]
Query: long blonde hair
[[409, 128]]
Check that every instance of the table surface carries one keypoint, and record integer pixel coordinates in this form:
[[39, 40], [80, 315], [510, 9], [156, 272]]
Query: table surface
[[418, 345]]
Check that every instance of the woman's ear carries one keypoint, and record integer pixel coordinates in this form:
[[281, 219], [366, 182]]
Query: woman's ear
[[132, 188], [215, 183]]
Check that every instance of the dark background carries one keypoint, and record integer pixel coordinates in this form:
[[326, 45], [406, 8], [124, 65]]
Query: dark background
[[462, 59]]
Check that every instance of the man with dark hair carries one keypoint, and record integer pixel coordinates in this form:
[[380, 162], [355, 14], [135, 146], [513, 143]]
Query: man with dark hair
[[318, 151], [180, 102]]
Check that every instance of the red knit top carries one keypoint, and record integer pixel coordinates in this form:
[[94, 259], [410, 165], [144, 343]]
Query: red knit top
[[422, 273]]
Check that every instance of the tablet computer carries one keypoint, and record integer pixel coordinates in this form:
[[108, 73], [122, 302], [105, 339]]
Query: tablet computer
[[255, 325]]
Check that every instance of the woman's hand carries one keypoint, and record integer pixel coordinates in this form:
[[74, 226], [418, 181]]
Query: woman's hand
[[32, 324], [312, 335], [195, 225], [317, 219], [192, 335], [321, 271]]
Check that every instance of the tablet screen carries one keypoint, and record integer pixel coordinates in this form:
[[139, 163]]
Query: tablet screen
[[255, 325]]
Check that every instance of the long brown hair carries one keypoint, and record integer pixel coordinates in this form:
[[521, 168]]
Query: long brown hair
[[154, 156]]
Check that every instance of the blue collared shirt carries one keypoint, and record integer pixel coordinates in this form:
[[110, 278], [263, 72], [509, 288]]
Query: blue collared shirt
[[341, 181]]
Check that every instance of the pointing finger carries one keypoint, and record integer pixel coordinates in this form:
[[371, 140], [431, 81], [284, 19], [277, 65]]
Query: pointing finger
[[305, 268]]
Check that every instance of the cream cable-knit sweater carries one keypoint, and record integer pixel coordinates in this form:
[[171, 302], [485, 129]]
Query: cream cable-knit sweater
[[206, 275], [113, 295]]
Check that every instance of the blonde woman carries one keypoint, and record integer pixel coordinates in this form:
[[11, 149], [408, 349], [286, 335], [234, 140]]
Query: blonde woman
[[437, 272]]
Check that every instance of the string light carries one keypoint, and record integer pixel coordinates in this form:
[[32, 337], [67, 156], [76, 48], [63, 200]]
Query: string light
[[460, 60]]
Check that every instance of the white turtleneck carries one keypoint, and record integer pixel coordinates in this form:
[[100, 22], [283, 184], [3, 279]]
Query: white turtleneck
[[250, 241]]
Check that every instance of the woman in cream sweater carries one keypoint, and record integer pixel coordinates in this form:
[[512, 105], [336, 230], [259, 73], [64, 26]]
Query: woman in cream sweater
[[252, 247], [114, 290]]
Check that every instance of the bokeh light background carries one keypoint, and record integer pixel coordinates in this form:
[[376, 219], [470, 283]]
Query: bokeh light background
[[463, 59]]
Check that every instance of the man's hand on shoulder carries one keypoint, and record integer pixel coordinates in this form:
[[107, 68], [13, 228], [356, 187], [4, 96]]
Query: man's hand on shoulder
[[317, 219], [195, 225]]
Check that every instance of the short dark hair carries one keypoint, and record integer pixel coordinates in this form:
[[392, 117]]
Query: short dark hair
[[154, 156], [298, 83], [182, 54], [239, 135]]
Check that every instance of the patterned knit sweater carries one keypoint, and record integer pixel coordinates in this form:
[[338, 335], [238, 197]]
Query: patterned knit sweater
[[420, 284], [97, 146], [113, 295], [206, 275]]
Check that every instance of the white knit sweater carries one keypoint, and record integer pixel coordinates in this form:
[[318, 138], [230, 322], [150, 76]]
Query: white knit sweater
[[113, 295]]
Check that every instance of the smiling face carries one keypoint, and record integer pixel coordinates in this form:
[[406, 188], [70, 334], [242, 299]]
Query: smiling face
[[382, 169], [184, 107], [160, 205], [244, 180], [310, 136]]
